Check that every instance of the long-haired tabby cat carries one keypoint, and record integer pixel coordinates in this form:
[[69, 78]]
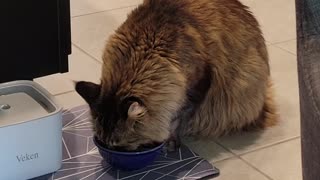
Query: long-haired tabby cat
[[181, 68]]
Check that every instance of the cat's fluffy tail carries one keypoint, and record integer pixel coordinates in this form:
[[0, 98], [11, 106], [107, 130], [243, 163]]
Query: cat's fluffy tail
[[269, 115]]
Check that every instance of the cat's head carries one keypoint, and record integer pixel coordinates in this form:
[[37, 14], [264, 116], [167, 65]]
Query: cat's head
[[126, 122]]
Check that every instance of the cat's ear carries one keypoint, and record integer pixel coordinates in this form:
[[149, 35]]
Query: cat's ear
[[88, 91], [136, 110]]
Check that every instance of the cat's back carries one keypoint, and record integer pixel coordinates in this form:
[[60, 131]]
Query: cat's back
[[189, 32], [206, 20], [197, 12]]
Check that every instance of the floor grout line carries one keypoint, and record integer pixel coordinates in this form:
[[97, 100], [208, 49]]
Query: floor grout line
[[225, 159], [270, 145], [255, 168], [235, 155], [276, 45], [260, 148], [279, 42], [63, 93], [107, 10], [80, 49]]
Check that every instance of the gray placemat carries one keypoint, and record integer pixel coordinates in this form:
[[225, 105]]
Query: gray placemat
[[82, 161]]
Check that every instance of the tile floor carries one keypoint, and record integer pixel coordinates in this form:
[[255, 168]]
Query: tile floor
[[271, 154]]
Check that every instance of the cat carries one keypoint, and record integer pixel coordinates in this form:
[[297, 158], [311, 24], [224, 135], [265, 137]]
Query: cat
[[181, 68]]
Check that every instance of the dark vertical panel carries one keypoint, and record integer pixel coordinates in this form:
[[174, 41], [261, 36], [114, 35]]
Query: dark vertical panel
[[65, 33], [30, 37], [308, 38]]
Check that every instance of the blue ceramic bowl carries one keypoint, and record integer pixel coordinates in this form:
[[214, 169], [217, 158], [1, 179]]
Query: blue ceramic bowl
[[128, 161]]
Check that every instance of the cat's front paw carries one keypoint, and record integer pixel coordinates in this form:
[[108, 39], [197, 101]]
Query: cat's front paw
[[173, 144]]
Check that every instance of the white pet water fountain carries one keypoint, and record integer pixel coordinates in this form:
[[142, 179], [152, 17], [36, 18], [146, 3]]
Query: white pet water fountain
[[30, 131]]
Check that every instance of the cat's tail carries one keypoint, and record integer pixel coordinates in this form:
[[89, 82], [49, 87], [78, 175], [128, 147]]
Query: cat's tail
[[269, 115]]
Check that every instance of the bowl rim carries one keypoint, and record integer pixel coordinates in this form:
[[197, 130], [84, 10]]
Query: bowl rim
[[96, 142]]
